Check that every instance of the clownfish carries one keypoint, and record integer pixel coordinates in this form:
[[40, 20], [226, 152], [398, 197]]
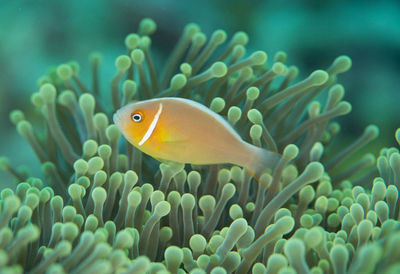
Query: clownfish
[[180, 130]]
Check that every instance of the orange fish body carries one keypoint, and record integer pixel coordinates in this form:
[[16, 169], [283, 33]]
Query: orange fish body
[[184, 131]]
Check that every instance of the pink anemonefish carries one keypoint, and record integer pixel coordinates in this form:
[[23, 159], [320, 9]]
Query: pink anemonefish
[[174, 129]]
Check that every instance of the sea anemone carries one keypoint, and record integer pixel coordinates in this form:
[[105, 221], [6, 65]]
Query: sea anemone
[[105, 207]]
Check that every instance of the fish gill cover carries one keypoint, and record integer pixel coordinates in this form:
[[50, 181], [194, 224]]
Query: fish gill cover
[[104, 207]]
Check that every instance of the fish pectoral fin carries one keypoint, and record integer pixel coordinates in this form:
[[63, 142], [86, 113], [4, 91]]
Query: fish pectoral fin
[[175, 141], [164, 161], [171, 164]]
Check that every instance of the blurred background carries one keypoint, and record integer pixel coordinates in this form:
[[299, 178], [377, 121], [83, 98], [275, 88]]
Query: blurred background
[[38, 34]]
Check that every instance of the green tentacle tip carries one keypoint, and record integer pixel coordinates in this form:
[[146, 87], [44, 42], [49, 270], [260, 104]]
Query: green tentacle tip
[[145, 42], [316, 151], [90, 148], [237, 229], [25, 212], [266, 180], [188, 201], [137, 56], [7, 192], [224, 175], [95, 164], [141, 264], [228, 190], [30, 233], [87, 102], [246, 73], [234, 114], [66, 98], [279, 68], [218, 37], [173, 256], [123, 240], [382, 210], [186, 69], [339, 255], [69, 231], [81, 166], [166, 234], [255, 132], [162, 208], [314, 109], [76, 191], [115, 180], [197, 243], [207, 202], [285, 224], [131, 177], [199, 39], [11, 204], [122, 63], [219, 69], [397, 136], [240, 38], [252, 93], [392, 194], [321, 204], [290, 152], [99, 195], [43, 80], [100, 121], [74, 66], [342, 64], [217, 104], [64, 71], [280, 56], [276, 262], [318, 77], [156, 197], [343, 108], [48, 168], [16, 116], [294, 248], [147, 26], [37, 100], [129, 87], [194, 178], [235, 212], [113, 133], [314, 171], [104, 151], [238, 51], [132, 41], [190, 30], [218, 270], [134, 198], [24, 128], [48, 93], [371, 131], [313, 237], [4, 163], [258, 58], [255, 116], [178, 81], [336, 92], [95, 58]]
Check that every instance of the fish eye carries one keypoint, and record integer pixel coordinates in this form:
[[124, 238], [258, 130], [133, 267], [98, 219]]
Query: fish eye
[[137, 117]]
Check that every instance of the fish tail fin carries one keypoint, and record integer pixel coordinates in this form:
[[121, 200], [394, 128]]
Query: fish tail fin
[[262, 161]]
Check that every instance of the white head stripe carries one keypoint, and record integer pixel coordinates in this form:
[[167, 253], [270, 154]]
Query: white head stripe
[[152, 126]]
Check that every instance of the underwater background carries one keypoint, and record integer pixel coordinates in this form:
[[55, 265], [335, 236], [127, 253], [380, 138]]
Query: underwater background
[[39, 34], [314, 81]]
